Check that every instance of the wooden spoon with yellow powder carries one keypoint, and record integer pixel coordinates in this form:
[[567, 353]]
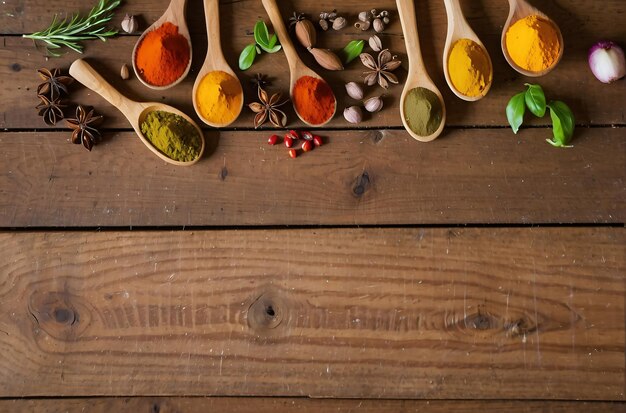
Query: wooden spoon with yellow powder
[[217, 94], [531, 42], [466, 62]]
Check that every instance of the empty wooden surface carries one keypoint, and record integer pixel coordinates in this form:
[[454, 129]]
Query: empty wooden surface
[[107, 297]]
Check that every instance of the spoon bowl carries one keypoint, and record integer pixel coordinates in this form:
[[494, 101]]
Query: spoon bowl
[[459, 28], [214, 62], [174, 14], [417, 75], [518, 9], [297, 68], [135, 112]]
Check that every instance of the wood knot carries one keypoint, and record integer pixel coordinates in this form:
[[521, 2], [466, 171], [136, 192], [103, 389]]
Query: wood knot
[[266, 312], [56, 312], [16, 67], [65, 316], [376, 136], [361, 184]]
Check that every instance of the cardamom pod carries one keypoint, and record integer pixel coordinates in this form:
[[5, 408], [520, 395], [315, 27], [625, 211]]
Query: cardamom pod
[[323, 24], [326, 59], [362, 25], [364, 16], [379, 26], [129, 23], [305, 32], [354, 90], [124, 73], [373, 104], [353, 114], [340, 23], [375, 43]]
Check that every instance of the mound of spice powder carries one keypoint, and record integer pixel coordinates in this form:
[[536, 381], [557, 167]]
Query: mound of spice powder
[[162, 55], [423, 111], [172, 135], [469, 68], [314, 100], [219, 97], [533, 43]]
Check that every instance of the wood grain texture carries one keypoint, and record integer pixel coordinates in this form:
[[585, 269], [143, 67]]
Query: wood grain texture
[[356, 178], [380, 313], [582, 23], [297, 405]]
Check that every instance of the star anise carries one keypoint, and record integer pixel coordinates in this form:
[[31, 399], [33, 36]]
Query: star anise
[[51, 110], [54, 83], [380, 71], [267, 107], [296, 18], [83, 127]]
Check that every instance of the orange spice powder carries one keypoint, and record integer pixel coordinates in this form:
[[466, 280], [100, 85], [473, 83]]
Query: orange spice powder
[[314, 100], [163, 55]]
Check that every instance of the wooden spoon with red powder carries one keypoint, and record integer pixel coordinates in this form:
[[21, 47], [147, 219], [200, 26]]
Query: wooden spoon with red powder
[[312, 98]]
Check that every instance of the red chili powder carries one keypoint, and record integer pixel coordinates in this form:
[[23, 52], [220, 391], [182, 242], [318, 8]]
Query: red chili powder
[[314, 100], [163, 55]]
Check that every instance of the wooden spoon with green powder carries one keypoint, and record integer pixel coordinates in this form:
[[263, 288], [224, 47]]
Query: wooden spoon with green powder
[[217, 94], [472, 72], [135, 112], [520, 9], [421, 104]]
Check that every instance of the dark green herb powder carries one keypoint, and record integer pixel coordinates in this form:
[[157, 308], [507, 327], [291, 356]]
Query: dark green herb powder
[[423, 111]]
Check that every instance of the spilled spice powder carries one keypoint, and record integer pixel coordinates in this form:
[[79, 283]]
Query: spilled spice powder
[[314, 100], [162, 55]]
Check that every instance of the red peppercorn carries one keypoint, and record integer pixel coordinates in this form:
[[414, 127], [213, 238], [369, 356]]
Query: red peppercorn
[[317, 141], [293, 153], [273, 140], [307, 146], [307, 135], [288, 141], [293, 134]]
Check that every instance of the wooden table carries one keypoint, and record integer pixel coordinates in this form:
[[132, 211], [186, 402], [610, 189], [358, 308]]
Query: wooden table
[[484, 271]]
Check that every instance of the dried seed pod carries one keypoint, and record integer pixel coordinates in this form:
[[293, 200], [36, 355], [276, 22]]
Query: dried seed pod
[[324, 24], [332, 16], [386, 20], [353, 114], [354, 90], [379, 26], [324, 15], [340, 23], [327, 59], [373, 104], [375, 43], [124, 73], [384, 13], [305, 32], [129, 24], [362, 25], [364, 16]]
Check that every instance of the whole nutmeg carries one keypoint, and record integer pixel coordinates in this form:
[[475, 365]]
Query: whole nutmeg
[[305, 32], [362, 25], [373, 104], [340, 23], [124, 73], [353, 114], [379, 26], [327, 59], [364, 16], [324, 24], [354, 90]]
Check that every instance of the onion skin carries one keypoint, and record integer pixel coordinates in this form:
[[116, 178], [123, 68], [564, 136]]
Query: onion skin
[[607, 62]]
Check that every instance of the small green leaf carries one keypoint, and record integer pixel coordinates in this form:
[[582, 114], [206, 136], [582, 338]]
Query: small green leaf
[[246, 58], [562, 124], [535, 100], [352, 51], [515, 111], [261, 35], [272, 50], [273, 41]]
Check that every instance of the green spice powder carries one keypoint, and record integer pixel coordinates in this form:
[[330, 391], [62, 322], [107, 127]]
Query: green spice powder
[[423, 111], [173, 135]]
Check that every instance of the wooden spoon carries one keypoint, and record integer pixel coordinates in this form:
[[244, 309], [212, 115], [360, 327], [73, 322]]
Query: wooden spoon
[[174, 14], [214, 61], [297, 68], [417, 75], [518, 9], [135, 112], [459, 28]]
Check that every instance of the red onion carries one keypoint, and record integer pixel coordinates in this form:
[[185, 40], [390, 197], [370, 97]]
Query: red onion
[[606, 60]]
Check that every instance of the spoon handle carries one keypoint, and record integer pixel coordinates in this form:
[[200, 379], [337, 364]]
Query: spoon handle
[[279, 27], [406, 11], [455, 14], [87, 75], [212, 16]]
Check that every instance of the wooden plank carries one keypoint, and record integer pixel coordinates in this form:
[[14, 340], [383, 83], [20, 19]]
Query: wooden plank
[[301, 405], [356, 178], [534, 313], [572, 82]]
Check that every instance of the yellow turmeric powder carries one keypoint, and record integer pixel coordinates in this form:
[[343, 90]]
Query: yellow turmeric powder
[[533, 43], [469, 68], [219, 98]]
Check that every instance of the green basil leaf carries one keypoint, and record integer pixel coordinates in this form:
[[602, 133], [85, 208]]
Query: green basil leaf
[[273, 41], [563, 124], [271, 50], [535, 100], [515, 111], [246, 58], [261, 35], [352, 51]]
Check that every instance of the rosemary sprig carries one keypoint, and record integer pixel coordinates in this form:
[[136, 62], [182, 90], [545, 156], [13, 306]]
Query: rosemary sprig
[[70, 33]]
